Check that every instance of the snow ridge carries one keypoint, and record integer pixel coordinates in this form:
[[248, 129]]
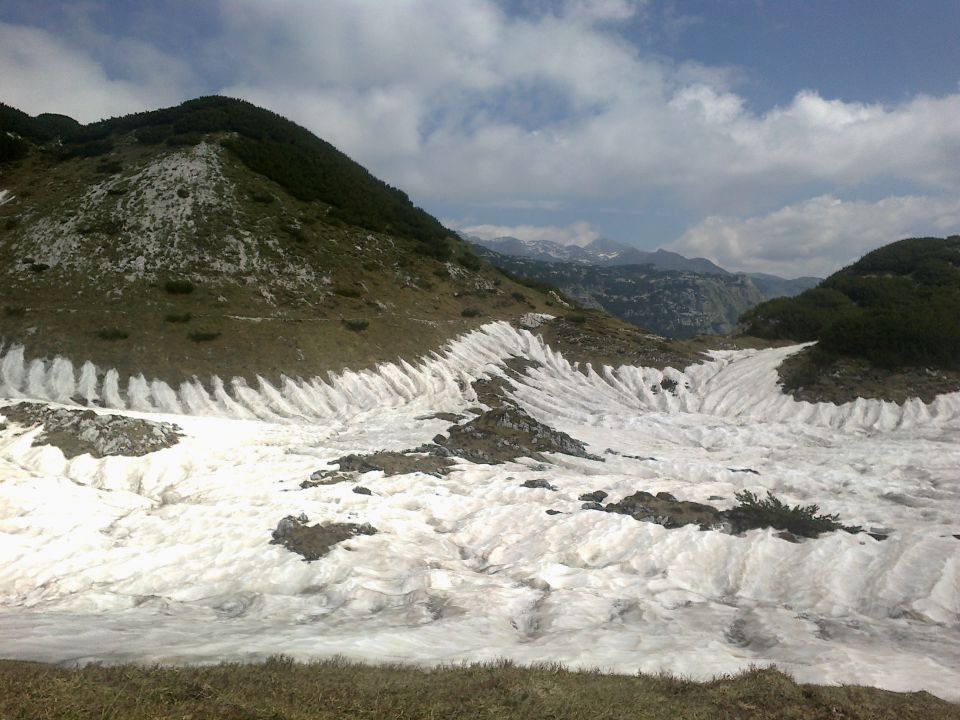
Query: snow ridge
[[733, 384]]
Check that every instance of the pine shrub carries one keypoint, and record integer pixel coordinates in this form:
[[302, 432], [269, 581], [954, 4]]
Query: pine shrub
[[753, 512], [178, 287], [356, 325]]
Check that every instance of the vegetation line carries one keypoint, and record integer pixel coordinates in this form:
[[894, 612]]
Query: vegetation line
[[280, 689]]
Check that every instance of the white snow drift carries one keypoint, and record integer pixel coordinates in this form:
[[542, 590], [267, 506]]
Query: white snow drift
[[168, 557]]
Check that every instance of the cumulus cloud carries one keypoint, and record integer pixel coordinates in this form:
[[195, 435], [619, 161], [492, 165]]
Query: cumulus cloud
[[576, 234], [43, 72], [817, 236], [462, 101]]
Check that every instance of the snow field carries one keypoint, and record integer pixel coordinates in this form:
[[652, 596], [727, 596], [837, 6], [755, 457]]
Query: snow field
[[168, 557]]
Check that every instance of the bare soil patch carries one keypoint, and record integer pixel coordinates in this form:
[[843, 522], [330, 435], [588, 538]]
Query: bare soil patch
[[806, 377]]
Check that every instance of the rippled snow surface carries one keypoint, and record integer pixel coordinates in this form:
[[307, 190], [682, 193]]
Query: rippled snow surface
[[167, 558]]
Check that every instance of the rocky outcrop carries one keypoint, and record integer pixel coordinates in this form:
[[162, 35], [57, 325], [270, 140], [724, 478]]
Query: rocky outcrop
[[315, 541], [539, 484], [664, 509], [750, 513], [503, 434], [389, 463], [78, 432]]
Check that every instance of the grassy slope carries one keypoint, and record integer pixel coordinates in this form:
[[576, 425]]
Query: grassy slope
[[279, 690], [299, 330], [412, 301]]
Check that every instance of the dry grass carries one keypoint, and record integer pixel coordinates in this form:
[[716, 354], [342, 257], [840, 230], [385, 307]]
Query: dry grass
[[411, 304], [280, 689], [268, 324], [591, 336]]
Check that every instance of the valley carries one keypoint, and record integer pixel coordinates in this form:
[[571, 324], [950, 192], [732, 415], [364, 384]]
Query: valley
[[254, 403]]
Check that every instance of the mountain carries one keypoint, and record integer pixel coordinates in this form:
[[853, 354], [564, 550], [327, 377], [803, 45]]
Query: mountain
[[894, 315], [666, 292], [676, 304], [599, 252], [605, 252], [216, 237], [535, 249], [772, 286]]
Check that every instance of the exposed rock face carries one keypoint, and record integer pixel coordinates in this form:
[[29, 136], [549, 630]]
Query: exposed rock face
[[664, 509], [315, 541], [506, 433], [672, 303], [389, 463], [77, 432]]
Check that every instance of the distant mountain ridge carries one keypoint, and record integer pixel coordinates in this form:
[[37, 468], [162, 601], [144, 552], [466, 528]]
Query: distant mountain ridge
[[662, 291], [673, 303], [601, 252]]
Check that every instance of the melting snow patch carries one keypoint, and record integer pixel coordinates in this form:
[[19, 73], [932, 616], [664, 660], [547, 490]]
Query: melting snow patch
[[173, 556]]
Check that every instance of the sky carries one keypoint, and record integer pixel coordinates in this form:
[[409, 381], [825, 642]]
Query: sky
[[787, 136]]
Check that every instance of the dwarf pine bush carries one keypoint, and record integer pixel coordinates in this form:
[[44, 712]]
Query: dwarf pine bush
[[356, 325], [754, 512]]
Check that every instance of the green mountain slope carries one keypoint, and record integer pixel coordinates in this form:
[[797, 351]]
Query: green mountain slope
[[219, 238], [894, 310]]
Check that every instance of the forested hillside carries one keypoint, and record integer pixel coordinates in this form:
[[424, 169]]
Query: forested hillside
[[887, 326], [897, 306], [308, 167]]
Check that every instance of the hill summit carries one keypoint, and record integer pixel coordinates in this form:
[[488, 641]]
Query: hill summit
[[216, 237]]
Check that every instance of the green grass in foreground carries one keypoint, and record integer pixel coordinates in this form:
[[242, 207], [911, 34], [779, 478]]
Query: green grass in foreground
[[280, 689]]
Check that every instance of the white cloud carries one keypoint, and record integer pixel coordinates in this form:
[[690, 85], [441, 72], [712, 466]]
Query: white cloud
[[460, 101], [576, 234], [42, 72], [593, 11], [817, 236]]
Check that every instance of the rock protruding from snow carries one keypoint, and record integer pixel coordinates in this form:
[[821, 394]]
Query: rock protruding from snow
[[79, 432], [315, 541], [506, 433], [664, 509]]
